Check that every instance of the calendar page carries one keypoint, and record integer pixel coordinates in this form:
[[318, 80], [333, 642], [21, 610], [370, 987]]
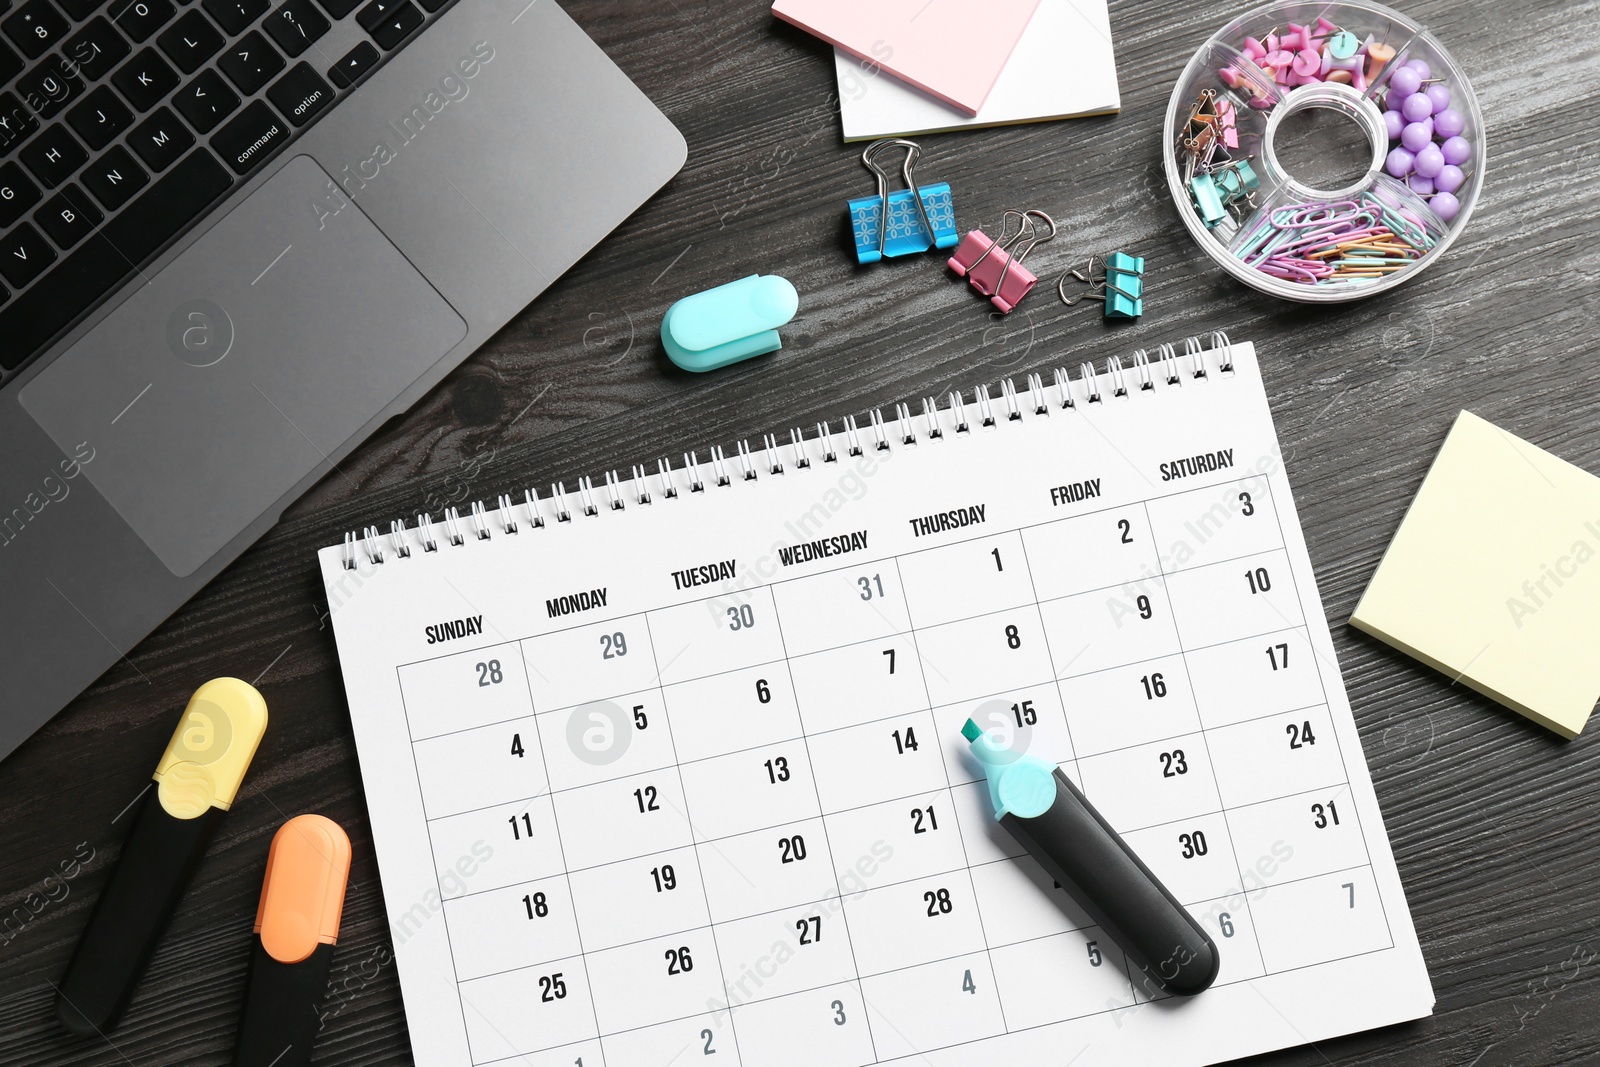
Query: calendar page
[[682, 781]]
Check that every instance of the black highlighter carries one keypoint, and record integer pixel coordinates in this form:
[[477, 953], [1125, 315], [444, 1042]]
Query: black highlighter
[[1058, 826], [196, 781]]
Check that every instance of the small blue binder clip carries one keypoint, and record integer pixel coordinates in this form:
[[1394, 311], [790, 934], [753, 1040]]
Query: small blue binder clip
[[1121, 287], [735, 321], [919, 219]]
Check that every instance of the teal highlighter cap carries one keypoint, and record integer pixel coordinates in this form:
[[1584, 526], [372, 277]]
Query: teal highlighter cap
[[1166, 949], [1023, 786], [729, 323]]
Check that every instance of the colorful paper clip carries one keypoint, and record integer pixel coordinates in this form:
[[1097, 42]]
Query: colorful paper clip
[[994, 268], [1121, 286], [919, 218]]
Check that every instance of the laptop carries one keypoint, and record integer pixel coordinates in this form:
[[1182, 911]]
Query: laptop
[[236, 236]]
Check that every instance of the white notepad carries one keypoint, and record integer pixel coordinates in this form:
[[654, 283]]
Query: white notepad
[[1063, 67], [669, 766]]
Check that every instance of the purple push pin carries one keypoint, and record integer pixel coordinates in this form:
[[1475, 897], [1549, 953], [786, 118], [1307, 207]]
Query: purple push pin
[[1404, 81], [1429, 162], [1449, 123], [1416, 107], [1417, 135], [1457, 150]]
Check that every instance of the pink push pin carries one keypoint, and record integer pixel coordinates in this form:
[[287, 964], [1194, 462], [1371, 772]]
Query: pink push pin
[[994, 268], [1254, 48], [1278, 63], [1307, 63]]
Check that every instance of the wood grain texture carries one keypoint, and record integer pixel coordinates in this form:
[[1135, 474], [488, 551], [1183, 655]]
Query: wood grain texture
[[1490, 816]]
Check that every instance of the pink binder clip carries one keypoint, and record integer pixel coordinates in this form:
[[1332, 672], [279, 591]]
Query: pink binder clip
[[994, 268]]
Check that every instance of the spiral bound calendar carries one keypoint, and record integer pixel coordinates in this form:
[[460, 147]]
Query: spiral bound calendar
[[666, 769]]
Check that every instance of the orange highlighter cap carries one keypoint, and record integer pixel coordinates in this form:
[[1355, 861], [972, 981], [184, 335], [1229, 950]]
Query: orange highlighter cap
[[302, 897]]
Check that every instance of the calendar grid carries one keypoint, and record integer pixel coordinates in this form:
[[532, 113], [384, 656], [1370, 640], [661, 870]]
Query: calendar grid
[[844, 916], [925, 711]]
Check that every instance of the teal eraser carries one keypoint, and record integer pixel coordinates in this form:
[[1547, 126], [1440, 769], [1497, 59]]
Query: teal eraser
[[732, 322]]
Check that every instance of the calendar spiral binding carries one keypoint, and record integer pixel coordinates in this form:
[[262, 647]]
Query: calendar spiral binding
[[480, 523]]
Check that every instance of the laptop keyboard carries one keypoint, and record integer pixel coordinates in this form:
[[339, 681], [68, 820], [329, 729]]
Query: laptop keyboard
[[123, 121]]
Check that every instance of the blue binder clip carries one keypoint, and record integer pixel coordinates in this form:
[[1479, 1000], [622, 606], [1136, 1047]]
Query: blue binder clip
[[731, 322], [1121, 286], [919, 219]]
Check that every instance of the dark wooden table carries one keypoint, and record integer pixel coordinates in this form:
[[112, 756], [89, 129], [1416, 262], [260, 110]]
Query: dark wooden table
[[1489, 814]]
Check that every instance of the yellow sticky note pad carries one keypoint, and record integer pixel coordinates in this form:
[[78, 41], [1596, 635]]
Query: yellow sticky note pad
[[1494, 576]]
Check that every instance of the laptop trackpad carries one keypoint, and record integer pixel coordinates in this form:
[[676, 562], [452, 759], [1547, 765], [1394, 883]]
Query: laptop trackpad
[[243, 364]]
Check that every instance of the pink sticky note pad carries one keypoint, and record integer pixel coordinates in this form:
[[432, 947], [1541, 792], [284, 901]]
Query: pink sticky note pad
[[953, 49]]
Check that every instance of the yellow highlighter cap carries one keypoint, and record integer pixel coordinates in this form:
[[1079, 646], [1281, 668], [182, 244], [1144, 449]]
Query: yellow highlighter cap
[[212, 748], [302, 898]]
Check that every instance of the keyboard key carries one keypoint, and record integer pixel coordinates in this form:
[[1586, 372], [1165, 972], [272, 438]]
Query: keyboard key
[[69, 217], [295, 25], [235, 16], [206, 101], [95, 49], [356, 62], [145, 79], [402, 21], [53, 156], [49, 87], [160, 140], [23, 254], [140, 18], [432, 6], [99, 118], [338, 8], [17, 193], [250, 138], [79, 10], [375, 12], [16, 122], [190, 41], [251, 62], [159, 214], [36, 27], [300, 94], [114, 178], [10, 63]]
